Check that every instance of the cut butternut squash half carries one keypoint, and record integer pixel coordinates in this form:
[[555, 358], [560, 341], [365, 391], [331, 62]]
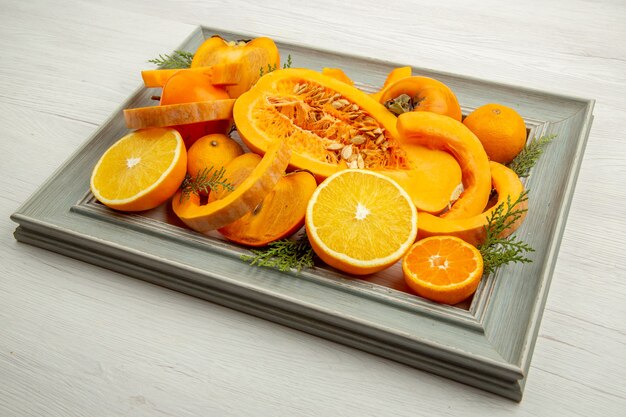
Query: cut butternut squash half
[[330, 125], [245, 197], [437, 131], [178, 114], [472, 229]]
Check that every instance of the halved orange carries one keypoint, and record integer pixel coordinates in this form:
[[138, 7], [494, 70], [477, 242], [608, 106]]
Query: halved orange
[[141, 170], [360, 221], [444, 269]]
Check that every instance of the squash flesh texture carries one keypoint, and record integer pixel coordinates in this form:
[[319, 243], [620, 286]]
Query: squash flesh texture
[[279, 215], [245, 197], [472, 229], [437, 131], [320, 117]]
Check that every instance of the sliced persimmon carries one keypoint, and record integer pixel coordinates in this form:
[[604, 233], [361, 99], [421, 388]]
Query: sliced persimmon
[[246, 196], [178, 114], [256, 56]]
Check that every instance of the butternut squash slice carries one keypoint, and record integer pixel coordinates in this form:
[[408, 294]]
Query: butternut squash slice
[[444, 133], [472, 229], [330, 125], [220, 74], [245, 197], [279, 215], [178, 114], [256, 56]]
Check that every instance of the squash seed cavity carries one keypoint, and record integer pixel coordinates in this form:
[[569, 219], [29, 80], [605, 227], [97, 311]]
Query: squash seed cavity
[[317, 121]]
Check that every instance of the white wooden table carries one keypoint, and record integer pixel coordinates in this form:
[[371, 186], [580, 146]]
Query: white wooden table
[[78, 340]]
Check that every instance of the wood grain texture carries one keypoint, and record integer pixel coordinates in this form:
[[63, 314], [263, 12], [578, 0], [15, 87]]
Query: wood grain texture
[[79, 340]]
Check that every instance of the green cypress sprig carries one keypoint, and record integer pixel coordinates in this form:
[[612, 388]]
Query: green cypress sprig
[[284, 255], [178, 59], [206, 180], [271, 68], [529, 156], [497, 251]]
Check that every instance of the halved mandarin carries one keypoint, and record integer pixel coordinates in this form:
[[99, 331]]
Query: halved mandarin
[[444, 269]]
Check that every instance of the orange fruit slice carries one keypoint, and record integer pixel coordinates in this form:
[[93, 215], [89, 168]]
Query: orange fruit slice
[[444, 269], [500, 129], [360, 221], [141, 170]]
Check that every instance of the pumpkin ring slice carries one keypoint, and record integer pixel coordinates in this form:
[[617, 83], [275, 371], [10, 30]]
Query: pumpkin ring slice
[[247, 195], [472, 229], [178, 114]]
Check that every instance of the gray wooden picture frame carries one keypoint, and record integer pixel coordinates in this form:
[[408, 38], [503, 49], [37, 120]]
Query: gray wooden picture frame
[[487, 343]]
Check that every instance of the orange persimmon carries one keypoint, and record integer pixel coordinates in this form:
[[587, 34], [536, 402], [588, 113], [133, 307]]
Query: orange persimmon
[[419, 93]]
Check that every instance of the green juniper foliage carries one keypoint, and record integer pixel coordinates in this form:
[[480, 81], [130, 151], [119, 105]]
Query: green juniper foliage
[[284, 255], [529, 156], [178, 59], [498, 251], [205, 180], [271, 68]]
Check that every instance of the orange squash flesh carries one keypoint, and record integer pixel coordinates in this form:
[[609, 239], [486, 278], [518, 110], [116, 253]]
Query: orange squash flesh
[[178, 114], [338, 74], [431, 95], [319, 116], [245, 197], [472, 229], [279, 215], [236, 172], [220, 74], [442, 132]]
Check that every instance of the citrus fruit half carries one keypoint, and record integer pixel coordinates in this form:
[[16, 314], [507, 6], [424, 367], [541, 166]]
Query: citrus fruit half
[[360, 222], [444, 269], [141, 170]]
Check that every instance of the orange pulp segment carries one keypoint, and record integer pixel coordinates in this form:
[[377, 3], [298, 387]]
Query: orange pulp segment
[[360, 221], [444, 269], [141, 170]]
